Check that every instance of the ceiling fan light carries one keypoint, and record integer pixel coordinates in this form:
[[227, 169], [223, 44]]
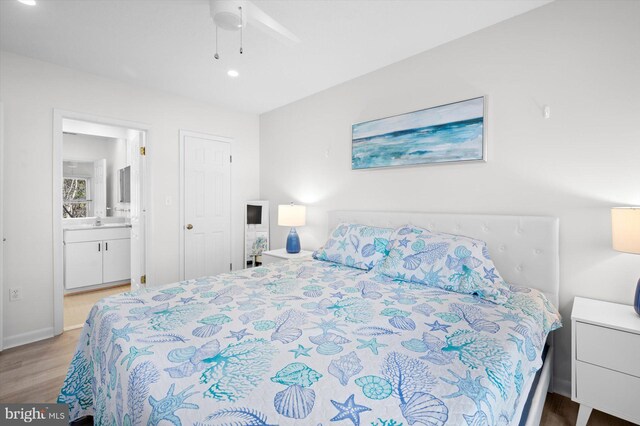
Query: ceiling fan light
[[229, 21]]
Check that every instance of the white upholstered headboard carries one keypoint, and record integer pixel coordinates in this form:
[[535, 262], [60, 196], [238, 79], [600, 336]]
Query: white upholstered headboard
[[525, 249]]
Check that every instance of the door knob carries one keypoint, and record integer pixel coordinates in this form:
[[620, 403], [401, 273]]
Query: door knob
[[189, 226]]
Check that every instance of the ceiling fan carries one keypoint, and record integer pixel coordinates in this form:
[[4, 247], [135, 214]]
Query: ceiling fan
[[234, 15]]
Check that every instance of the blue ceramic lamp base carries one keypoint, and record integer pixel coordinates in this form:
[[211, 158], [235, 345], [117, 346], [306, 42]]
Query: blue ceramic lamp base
[[636, 301], [293, 242]]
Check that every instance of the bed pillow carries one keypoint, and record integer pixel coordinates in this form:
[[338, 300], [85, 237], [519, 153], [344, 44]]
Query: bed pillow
[[451, 262], [358, 246]]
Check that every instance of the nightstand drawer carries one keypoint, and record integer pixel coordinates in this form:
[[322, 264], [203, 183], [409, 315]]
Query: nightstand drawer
[[609, 348], [609, 391]]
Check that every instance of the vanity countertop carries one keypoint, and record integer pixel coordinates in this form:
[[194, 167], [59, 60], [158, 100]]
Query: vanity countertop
[[104, 232], [89, 226]]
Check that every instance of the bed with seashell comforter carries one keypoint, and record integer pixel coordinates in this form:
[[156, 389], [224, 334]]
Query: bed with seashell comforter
[[307, 342]]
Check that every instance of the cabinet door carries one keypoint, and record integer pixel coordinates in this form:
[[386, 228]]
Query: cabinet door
[[116, 260], [82, 264]]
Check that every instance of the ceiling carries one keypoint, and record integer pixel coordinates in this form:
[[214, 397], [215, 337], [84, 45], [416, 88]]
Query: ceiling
[[169, 44]]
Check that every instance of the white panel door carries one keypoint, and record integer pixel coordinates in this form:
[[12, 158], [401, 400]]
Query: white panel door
[[99, 195], [207, 209], [116, 260], [82, 264]]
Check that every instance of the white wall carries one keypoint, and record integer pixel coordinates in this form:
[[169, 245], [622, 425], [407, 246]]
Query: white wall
[[582, 59], [87, 147], [30, 90]]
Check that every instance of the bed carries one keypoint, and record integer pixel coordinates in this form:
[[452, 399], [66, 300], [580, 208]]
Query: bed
[[314, 342]]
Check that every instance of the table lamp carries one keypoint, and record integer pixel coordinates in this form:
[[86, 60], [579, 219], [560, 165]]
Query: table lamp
[[292, 215], [625, 232]]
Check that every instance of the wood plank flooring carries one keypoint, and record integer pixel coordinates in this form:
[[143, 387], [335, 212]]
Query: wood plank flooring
[[561, 411], [35, 372], [78, 305]]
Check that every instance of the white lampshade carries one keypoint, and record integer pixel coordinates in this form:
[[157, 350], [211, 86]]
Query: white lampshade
[[625, 229], [291, 215]]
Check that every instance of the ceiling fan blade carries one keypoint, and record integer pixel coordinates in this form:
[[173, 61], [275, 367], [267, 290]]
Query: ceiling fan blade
[[258, 18]]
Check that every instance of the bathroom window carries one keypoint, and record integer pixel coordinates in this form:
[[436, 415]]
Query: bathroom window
[[75, 195]]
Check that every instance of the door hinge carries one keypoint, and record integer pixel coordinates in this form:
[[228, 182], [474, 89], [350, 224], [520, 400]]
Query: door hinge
[[231, 266], [143, 279], [143, 150], [231, 158]]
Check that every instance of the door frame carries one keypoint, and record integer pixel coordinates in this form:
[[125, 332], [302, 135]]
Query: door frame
[[58, 257], [215, 138], [1, 224]]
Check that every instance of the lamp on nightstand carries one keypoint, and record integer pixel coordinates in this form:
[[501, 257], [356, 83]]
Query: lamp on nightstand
[[292, 215], [625, 232]]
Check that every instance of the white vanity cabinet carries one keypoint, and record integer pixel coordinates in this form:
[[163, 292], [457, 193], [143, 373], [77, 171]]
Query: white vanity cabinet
[[116, 260], [96, 256], [82, 264]]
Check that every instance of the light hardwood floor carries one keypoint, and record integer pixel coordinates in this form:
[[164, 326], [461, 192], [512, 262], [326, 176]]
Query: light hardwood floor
[[77, 306], [35, 372]]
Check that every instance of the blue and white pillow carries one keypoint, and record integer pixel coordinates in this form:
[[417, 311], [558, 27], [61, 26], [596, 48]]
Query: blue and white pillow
[[358, 246], [451, 262]]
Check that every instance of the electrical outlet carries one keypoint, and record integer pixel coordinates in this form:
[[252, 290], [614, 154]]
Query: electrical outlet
[[15, 294]]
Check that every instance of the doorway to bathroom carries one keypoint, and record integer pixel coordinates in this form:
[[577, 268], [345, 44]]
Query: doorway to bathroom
[[99, 212]]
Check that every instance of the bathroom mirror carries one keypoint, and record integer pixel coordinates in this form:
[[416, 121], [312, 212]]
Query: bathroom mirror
[[96, 177], [125, 184]]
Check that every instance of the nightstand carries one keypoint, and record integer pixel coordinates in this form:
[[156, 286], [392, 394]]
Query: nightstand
[[605, 359], [279, 255]]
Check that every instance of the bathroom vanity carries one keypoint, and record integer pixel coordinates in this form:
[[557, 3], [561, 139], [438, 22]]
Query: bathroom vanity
[[96, 254]]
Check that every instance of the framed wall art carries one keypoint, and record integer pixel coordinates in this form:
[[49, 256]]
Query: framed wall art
[[443, 134]]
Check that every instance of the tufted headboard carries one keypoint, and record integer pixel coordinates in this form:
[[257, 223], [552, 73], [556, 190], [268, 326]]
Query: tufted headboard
[[525, 249]]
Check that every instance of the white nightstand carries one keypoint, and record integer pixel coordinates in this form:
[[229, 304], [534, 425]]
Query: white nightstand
[[279, 255], [605, 359]]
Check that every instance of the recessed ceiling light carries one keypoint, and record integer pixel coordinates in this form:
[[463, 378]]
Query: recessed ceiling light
[[233, 73], [28, 2]]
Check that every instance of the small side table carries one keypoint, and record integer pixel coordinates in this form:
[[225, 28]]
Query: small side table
[[605, 369], [273, 256]]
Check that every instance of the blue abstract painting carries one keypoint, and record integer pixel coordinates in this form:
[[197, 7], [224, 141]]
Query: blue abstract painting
[[442, 134]]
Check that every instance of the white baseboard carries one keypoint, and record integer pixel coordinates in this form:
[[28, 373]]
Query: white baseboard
[[29, 337], [562, 387]]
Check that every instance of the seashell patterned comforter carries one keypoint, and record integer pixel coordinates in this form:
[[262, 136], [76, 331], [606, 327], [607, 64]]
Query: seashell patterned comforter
[[306, 342]]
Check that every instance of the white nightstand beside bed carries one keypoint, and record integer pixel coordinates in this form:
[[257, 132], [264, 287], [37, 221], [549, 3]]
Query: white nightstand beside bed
[[272, 256], [605, 359]]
